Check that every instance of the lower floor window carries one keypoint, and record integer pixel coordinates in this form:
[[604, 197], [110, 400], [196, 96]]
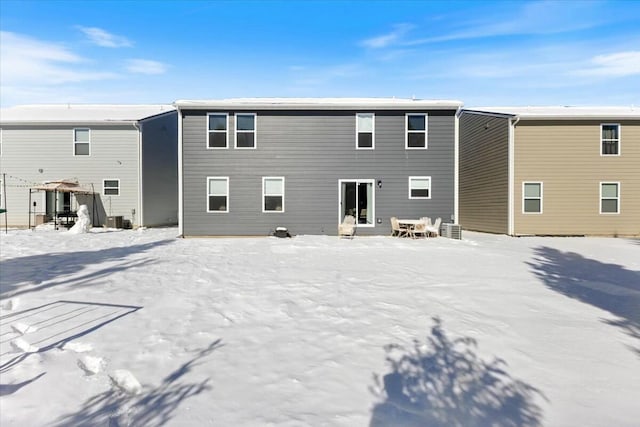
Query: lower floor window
[[532, 197], [609, 197], [419, 187], [217, 194], [273, 194], [111, 187]]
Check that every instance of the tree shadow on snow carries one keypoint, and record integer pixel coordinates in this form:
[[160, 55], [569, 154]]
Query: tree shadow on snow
[[444, 383], [153, 407], [38, 272], [610, 287]]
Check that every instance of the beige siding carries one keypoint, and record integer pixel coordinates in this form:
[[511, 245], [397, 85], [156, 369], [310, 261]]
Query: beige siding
[[34, 154], [484, 180], [565, 156]]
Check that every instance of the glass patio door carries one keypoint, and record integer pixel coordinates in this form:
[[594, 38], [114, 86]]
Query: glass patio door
[[357, 199]]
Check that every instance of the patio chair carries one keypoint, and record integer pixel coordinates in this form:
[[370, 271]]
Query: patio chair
[[348, 227], [396, 229], [434, 230], [421, 227]]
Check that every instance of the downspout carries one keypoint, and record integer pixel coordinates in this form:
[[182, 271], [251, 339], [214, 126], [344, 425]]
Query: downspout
[[513, 121], [456, 165], [139, 212], [180, 195]]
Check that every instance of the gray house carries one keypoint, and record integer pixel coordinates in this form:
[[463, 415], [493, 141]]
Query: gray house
[[248, 166], [123, 156]]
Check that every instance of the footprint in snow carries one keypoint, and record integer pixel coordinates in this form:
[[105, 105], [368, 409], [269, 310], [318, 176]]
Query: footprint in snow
[[91, 365]]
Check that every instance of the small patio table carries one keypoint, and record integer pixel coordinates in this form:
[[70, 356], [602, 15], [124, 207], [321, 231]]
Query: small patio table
[[410, 224]]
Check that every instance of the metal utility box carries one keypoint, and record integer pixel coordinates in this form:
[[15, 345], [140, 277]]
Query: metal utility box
[[115, 221], [452, 231]]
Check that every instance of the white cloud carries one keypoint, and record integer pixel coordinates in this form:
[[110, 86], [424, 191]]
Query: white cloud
[[103, 38], [146, 66], [617, 64], [389, 38], [29, 61]]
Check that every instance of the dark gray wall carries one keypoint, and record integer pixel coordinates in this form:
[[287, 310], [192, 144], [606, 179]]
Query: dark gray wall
[[484, 173], [160, 170], [313, 150]]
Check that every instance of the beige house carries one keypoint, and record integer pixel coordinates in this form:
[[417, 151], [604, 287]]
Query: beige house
[[550, 170]]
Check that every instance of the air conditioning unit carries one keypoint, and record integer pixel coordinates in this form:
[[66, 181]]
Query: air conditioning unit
[[452, 231], [115, 221]]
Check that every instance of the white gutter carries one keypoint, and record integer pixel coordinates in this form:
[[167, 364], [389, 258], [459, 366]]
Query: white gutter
[[510, 224], [139, 207], [180, 178]]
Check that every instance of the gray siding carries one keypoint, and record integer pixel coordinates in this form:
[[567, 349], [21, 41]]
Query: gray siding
[[28, 150], [160, 170], [484, 173], [313, 150]]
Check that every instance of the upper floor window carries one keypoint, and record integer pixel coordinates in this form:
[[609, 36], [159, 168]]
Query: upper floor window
[[218, 194], [111, 187], [419, 187], [273, 194], [610, 197], [416, 131], [610, 139], [81, 142], [245, 130], [365, 136], [217, 130], [532, 197]]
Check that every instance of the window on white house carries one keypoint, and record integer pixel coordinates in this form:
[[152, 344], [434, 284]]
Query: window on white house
[[217, 130], [81, 142], [610, 139], [218, 194], [272, 194], [419, 187], [532, 197], [365, 134], [245, 130], [111, 187], [416, 131], [609, 197]]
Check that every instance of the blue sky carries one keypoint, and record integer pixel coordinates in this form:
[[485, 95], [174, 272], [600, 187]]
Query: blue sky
[[480, 52]]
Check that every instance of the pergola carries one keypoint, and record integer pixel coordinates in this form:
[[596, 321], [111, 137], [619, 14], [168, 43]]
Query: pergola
[[63, 186]]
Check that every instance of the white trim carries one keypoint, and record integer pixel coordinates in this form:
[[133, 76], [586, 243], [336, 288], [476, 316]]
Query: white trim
[[373, 202], [541, 198], [209, 131], [226, 178], [139, 214], [73, 137], [373, 131], [406, 131], [180, 180], [618, 199], [255, 130], [619, 139], [281, 178], [1, 143], [419, 177], [511, 176], [456, 167], [104, 187]]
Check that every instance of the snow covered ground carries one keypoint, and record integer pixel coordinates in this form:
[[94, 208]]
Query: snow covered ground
[[143, 328]]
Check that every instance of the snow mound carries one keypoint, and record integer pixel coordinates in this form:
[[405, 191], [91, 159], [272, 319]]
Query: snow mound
[[10, 304], [125, 382], [21, 346], [78, 347], [91, 365]]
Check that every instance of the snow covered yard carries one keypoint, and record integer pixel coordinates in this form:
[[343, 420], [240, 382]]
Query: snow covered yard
[[141, 328]]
